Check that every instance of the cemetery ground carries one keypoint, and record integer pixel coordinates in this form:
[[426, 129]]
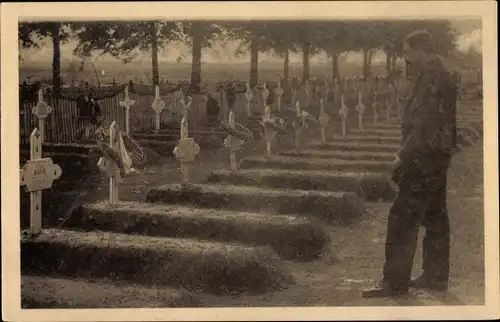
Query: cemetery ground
[[352, 261]]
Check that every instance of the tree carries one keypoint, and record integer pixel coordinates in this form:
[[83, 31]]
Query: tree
[[280, 40], [126, 40], [200, 34], [334, 41], [366, 36], [31, 34]]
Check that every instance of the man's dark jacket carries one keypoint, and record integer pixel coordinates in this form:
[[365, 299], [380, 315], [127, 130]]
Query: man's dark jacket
[[429, 123]]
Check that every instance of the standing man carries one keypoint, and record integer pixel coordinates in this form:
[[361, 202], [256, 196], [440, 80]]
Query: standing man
[[420, 168]]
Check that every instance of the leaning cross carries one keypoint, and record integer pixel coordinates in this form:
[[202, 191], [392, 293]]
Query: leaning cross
[[158, 105], [127, 103], [36, 175], [42, 110]]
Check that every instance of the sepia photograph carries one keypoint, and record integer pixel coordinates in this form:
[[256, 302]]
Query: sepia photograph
[[215, 161]]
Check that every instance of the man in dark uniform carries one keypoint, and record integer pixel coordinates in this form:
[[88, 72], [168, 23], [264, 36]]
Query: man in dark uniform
[[420, 169]]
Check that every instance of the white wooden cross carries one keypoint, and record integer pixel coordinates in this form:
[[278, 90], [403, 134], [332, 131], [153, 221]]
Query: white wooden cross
[[224, 103], [324, 118], [42, 110], [158, 105], [127, 103], [279, 93], [109, 168], [36, 175], [269, 134], [185, 105], [360, 108], [249, 96], [297, 125], [375, 107], [343, 112], [186, 150], [233, 144]]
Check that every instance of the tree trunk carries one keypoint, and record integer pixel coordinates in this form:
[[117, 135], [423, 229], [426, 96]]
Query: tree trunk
[[254, 63], [335, 66], [56, 59], [286, 66], [197, 37], [154, 53], [306, 49]]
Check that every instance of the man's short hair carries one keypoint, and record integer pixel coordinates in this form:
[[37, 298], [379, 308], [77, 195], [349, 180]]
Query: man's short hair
[[421, 39]]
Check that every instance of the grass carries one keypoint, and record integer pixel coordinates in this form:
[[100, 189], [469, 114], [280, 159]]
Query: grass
[[58, 293], [291, 237], [333, 208], [211, 267], [372, 186]]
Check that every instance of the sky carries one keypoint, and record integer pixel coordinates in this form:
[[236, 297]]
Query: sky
[[218, 53]]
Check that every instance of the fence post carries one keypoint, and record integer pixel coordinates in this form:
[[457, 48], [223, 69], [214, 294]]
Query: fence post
[[360, 108], [343, 112], [324, 118], [279, 93], [249, 96], [36, 175], [41, 110], [127, 103], [158, 106], [232, 143]]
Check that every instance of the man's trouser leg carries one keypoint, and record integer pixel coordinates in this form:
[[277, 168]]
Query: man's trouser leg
[[436, 243], [405, 217]]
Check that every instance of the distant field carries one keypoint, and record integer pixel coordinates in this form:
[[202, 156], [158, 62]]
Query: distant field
[[181, 71]]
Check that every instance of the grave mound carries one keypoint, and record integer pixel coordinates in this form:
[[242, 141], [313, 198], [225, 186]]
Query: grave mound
[[199, 266], [291, 237]]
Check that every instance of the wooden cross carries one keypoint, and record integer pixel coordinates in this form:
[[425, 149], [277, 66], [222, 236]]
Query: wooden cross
[[158, 105], [249, 96], [224, 103], [42, 110], [233, 144], [127, 103], [389, 102], [109, 168], [294, 96], [324, 118], [360, 108], [186, 150], [36, 175], [375, 107], [298, 126], [186, 104], [343, 112], [279, 93], [265, 95], [269, 134]]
